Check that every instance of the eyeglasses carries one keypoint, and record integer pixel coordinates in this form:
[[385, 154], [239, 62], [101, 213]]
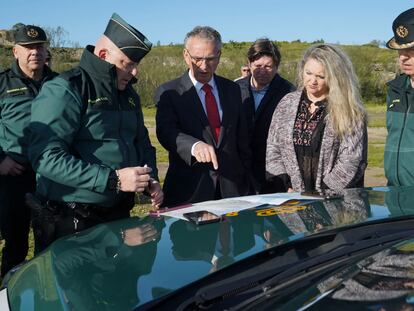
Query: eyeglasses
[[199, 60], [264, 67]]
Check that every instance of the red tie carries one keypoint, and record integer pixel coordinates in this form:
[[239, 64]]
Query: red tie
[[212, 112]]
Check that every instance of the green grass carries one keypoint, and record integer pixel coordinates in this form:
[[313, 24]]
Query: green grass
[[149, 113], [149, 120], [376, 114], [376, 119], [376, 154], [378, 122]]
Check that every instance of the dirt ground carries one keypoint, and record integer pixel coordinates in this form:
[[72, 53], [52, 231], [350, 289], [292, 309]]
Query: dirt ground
[[374, 176]]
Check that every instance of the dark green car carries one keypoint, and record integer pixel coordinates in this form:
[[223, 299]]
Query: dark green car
[[352, 252]]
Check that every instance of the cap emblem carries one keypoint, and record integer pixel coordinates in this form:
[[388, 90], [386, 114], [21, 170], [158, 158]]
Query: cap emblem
[[32, 33], [401, 31]]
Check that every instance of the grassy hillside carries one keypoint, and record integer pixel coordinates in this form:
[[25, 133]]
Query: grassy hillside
[[373, 65]]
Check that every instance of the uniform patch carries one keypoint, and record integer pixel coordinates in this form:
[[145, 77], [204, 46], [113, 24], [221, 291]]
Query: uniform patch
[[131, 101], [394, 101], [17, 91], [98, 101]]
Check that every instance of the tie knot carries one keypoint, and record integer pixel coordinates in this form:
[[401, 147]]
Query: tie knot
[[206, 88]]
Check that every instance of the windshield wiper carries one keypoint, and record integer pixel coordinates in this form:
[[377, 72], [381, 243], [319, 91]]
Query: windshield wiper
[[268, 271], [285, 282]]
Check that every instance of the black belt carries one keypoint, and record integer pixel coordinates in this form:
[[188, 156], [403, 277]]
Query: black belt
[[85, 210]]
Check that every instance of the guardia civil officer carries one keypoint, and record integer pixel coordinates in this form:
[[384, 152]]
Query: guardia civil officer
[[89, 145], [18, 86], [399, 151]]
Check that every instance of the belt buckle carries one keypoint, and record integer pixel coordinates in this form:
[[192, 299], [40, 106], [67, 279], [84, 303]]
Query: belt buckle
[[82, 209]]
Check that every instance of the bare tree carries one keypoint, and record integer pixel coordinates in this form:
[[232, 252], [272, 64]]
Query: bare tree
[[57, 36]]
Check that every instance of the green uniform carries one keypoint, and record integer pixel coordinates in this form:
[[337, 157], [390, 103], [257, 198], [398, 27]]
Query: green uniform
[[16, 94], [399, 146], [83, 127]]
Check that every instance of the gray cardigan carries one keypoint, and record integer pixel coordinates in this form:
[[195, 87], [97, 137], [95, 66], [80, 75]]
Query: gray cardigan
[[341, 164]]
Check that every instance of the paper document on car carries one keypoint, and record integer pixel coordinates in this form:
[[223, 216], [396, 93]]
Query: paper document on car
[[224, 206]]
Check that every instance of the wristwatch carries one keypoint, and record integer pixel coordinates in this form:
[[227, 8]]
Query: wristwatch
[[113, 181]]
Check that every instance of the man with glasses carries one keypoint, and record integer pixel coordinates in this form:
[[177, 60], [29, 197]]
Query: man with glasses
[[261, 92], [19, 85], [199, 122]]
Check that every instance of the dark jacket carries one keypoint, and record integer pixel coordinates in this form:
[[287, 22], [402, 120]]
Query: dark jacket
[[83, 127], [17, 92], [181, 122], [258, 123], [399, 146]]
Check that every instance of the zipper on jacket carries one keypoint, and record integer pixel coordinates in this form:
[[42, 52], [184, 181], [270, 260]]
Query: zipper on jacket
[[124, 145], [400, 139]]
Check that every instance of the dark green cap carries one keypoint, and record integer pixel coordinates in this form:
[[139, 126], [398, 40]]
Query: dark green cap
[[131, 42], [403, 28], [29, 34]]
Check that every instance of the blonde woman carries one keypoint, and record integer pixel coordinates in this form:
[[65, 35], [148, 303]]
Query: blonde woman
[[318, 135]]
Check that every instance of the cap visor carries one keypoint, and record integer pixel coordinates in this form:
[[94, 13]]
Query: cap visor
[[391, 44], [31, 42]]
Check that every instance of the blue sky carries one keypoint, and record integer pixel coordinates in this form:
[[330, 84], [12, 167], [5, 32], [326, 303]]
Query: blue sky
[[335, 21]]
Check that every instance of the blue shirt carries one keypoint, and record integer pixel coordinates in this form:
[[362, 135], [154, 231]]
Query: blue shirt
[[258, 95]]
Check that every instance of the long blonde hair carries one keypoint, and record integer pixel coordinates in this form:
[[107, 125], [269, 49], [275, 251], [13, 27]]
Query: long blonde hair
[[345, 108]]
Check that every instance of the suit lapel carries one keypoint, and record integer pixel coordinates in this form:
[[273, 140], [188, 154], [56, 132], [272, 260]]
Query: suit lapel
[[225, 107], [261, 105], [192, 100], [268, 96], [247, 97]]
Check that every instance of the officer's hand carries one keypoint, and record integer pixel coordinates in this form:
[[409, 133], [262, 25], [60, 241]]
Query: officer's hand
[[10, 167], [134, 179], [157, 196], [205, 153], [140, 235]]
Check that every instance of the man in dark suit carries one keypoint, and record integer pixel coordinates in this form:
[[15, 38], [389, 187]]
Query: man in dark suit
[[261, 92], [200, 123]]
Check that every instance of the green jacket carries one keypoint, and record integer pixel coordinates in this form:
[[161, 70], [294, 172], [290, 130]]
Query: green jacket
[[16, 94], [82, 127], [399, 146]]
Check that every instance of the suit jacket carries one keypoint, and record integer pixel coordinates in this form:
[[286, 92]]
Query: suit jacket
[[181, 122], [342, 162], [258, 123]]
